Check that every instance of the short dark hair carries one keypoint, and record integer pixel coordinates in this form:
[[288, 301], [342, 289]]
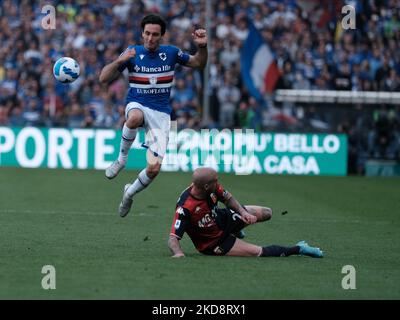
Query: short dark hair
[[154, 19]]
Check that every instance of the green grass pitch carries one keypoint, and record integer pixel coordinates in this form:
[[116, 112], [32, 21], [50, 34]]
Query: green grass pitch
[[69, 219]]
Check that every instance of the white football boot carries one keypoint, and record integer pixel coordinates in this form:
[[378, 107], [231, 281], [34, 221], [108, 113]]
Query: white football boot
[[113, 170], [126, 203]]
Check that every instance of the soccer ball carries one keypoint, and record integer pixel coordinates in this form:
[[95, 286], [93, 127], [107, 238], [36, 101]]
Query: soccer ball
[[66, 70]]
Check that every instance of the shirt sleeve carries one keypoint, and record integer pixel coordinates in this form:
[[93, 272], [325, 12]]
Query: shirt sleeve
[[181, 57], [222, 194], [180, 222]]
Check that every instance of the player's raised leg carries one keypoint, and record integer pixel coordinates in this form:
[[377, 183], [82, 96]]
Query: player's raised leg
[[262, 213], [157, 133], [126, 202], [134, 120], [145, 177]]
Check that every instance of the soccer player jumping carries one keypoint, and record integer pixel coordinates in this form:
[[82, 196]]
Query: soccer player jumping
[[213, 231], [151, 71]]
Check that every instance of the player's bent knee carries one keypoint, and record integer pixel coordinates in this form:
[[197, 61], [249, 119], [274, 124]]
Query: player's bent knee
[[153, 170], [135, 119], [132, 123], [266, 213]]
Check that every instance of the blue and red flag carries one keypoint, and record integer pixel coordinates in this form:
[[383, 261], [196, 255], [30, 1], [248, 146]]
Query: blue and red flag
[[258, 65]]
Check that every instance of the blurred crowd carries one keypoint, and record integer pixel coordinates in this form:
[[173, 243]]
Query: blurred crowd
[[311, 48]]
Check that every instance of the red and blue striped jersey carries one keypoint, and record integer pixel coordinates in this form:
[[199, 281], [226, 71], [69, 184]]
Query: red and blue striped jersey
[[151, 74]]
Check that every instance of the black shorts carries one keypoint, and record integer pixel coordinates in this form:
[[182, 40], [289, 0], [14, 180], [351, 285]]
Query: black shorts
[[231, 223]]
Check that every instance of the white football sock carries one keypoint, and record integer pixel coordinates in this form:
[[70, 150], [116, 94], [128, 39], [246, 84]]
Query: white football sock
[[128, 136], [140, 183]]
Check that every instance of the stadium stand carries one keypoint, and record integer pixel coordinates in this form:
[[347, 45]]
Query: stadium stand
[[312, 50]]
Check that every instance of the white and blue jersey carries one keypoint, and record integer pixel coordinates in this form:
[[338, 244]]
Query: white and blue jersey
[[151, 74]]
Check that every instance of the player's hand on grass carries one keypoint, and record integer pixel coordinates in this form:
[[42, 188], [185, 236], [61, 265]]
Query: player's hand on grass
[[178, 255], [249, 218], [128, 53]]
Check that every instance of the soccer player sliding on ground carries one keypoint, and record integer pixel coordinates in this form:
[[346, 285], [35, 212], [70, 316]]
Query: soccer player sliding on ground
[[214, 231], [151, 72]]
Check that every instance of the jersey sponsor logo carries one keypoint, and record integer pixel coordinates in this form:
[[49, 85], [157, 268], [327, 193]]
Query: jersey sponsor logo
[[206, 221], [162, 68], [177, 224], [149, 91], [163, 56], [137, 68]]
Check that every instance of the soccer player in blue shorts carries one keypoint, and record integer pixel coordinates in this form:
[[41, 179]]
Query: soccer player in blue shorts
[[151, 72], [213, 230]]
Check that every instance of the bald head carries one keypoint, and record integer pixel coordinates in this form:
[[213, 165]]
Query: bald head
[[203, 176]]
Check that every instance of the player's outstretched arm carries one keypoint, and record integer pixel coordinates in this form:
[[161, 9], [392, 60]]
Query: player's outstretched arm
[[175, 247], [199, 60], [110, 71], [234, 205]]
